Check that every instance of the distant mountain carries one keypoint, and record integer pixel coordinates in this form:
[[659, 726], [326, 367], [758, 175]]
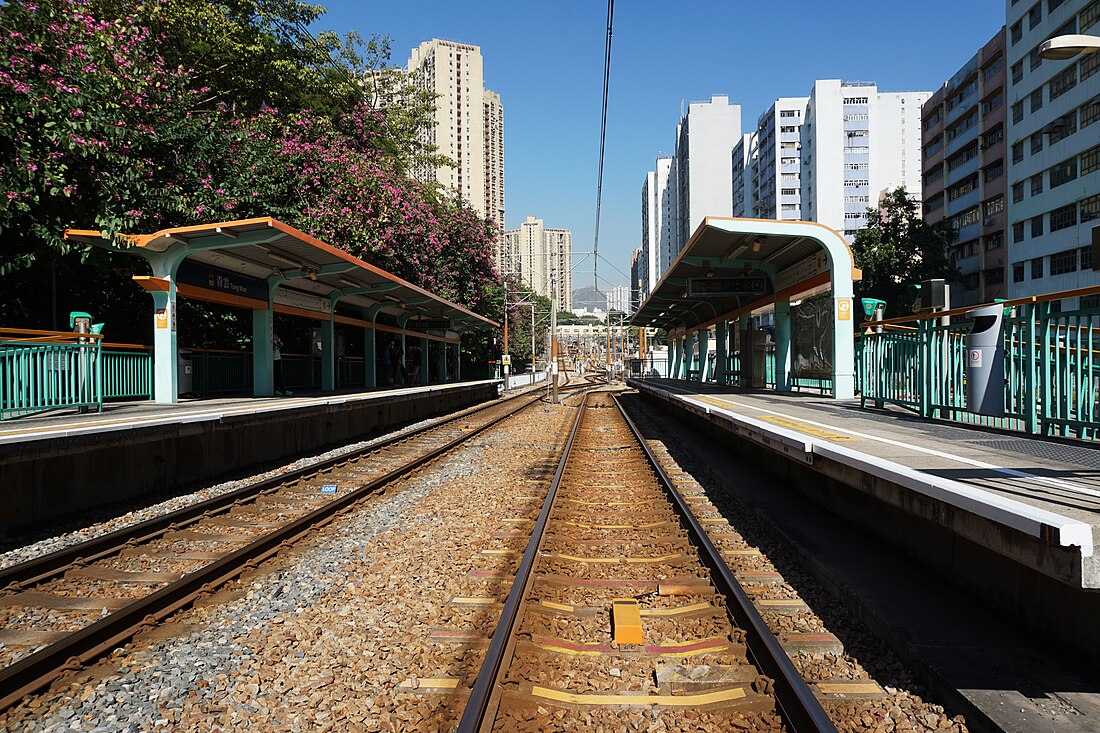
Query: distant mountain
[[589, 297]]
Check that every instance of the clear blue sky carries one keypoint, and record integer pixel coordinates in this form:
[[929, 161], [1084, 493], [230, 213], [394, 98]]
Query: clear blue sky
[[546, 61]]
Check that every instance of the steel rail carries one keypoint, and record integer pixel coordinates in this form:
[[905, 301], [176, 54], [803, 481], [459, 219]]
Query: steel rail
[[477, 706], [800, 709], [52, 564], [37, 670]]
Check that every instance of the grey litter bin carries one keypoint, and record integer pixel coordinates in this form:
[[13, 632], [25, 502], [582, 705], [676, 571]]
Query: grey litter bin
[[185, 374], [985, 362]]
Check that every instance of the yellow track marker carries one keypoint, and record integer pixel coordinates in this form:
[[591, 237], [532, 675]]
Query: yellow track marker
[[497, 552], [849, 688], [751, 552], [780, 603], [434, 683], [558, 606], [626, 622], [473, 601], [706, 698]]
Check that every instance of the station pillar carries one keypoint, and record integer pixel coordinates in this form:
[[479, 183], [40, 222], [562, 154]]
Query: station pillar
[[443, 361], [782, 345], [721, 353], [165, 344], [704, 354], [328, 352], [744, 323], [689, 356], [458, 359], [370, 348]]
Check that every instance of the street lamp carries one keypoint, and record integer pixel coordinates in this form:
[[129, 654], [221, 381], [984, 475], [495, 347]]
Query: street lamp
[[1062, 48]]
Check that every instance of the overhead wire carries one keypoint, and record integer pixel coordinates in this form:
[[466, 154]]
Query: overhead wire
[[603, 138]]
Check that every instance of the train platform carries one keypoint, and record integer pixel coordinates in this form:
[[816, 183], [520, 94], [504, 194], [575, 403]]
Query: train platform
[[59, 464]]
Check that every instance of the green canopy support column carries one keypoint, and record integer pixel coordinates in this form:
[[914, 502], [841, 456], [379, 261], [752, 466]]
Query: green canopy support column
[[704, 352], [442, 361], [458, 358], [721, 353], [689, 355], [744, 323], [783, 345], [402, 355], [673, 358], [328, 350], [263, 349], [425, 375], [165, 345]]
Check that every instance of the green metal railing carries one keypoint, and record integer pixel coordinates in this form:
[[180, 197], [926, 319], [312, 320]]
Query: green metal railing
[[1051, 368], [127, 373], [42, 371]]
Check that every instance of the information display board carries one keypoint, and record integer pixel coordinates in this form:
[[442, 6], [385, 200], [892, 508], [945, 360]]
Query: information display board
[[812, 337]]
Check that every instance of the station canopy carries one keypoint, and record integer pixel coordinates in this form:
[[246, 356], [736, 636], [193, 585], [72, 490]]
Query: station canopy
[[234, 262], [732, 267]]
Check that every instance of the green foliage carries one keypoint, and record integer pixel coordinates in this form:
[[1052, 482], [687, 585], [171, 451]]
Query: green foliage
[[898, 248]]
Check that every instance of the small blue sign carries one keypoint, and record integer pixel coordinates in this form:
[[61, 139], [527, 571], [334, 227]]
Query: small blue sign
[[328, 489]]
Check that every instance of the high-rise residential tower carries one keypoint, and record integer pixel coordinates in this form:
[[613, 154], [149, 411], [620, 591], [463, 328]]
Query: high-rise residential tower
[[742, 176], [469, 124], [964, 180], [542, 257], [857, 143], [776, 163], [705, 138], [1054, 151], [659, 224]]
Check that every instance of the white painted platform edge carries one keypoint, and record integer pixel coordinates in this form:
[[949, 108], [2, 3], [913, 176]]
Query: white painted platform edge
[[1001, 510]]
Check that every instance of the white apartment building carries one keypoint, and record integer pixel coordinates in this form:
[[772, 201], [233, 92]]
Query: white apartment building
[[857, 143], [1054, 163], [469, 125], [659, 225], [618, 299], [741, 167], [494, 157], [705, 139], [776, 162], [543, 258]]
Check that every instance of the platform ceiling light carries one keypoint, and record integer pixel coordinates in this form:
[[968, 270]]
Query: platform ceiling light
[[1063, 48], [708, 271], [349, 283], [734, 252], [756, 243], [313, 275]]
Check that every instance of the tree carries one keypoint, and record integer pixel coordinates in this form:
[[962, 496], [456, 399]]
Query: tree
[[898, 249]]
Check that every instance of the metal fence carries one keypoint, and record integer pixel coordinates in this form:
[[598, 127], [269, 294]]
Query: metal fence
[[46, 370], [1052, 368], [127, 372]]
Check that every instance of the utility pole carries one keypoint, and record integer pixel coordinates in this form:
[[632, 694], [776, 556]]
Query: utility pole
[[504, 365]]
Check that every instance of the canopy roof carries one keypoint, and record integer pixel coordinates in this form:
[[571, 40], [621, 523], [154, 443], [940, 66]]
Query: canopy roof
[[265, 247], [745, 264]]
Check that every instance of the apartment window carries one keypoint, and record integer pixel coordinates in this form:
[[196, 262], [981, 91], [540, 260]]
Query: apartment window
[[933, 203], [1017, 192], [1034, 59], [989, 71], [856, 166], [1086, 261], [1017, 232], [1090, 160], [1036, 268], [1036, 226], [1064, 172], [1090, 111], [994, 241], [1063, 127], [933, 119], [963, 157], [994, 206], [1037, 100], [857, 199], [1063, 217], [1063, 81], [994, 276], [1017, 32], [852, 215], [1090, 15], [933, 147], [789, 191], [788, 129], [1036, 141], [994, 171], [1017, 72], [855, 100], [1036, 184], [962, 189], [1017, 113], [1034, 16], [856, 183], [788, 113], [933, 174], [1017, 152], [1090, 64], [1052, 5], [790, 207], [968, 217], [1063, 262], [993, 137], [1090, 208], [1018, 272]]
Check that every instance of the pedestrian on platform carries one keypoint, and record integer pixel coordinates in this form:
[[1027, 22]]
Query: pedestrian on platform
[[277, 356], [387, 363]]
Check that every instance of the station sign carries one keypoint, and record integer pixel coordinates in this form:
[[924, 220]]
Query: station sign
[[223, 281], [305, 301], [719, 286]]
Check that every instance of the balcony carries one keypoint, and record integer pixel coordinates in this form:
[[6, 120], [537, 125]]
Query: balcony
[[962, 203]]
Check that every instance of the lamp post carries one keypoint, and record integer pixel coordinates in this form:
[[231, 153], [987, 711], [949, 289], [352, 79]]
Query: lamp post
[[1063, 48]]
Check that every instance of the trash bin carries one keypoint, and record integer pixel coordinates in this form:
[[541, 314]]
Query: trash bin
[[985, 362], [185, 374]]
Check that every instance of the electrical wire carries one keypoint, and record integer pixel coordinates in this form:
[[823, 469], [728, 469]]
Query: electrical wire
[[603, 137]]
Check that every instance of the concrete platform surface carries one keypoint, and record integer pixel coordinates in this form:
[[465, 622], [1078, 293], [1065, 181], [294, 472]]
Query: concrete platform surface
[[1048, 489], [128, 415]]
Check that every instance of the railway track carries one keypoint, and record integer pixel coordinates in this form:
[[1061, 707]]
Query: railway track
[[63, 610], [622, 611]]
